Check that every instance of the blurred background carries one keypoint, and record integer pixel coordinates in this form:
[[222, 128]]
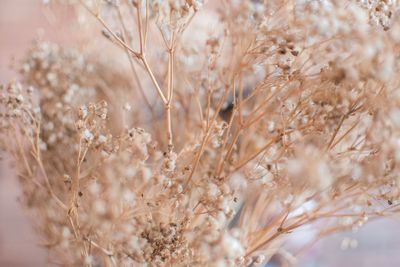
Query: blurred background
[[21, 22]]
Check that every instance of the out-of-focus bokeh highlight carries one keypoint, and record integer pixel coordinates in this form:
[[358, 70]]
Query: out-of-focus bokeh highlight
[[21, 22]]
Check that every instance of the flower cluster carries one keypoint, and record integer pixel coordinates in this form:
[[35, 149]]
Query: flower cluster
[[198, 145]]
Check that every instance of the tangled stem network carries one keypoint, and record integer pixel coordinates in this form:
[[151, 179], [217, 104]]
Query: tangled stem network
[[206, 134]]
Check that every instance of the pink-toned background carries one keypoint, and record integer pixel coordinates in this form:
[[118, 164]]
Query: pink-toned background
[[22, 21]]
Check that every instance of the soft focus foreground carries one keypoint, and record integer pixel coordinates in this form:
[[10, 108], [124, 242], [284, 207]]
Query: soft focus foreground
[[182, 136]]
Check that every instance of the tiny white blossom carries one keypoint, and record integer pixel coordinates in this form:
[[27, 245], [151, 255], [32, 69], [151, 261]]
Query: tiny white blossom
[[87, 135], [127, 107]]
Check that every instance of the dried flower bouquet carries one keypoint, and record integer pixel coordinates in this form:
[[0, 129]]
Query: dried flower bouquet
[[185, 145]]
